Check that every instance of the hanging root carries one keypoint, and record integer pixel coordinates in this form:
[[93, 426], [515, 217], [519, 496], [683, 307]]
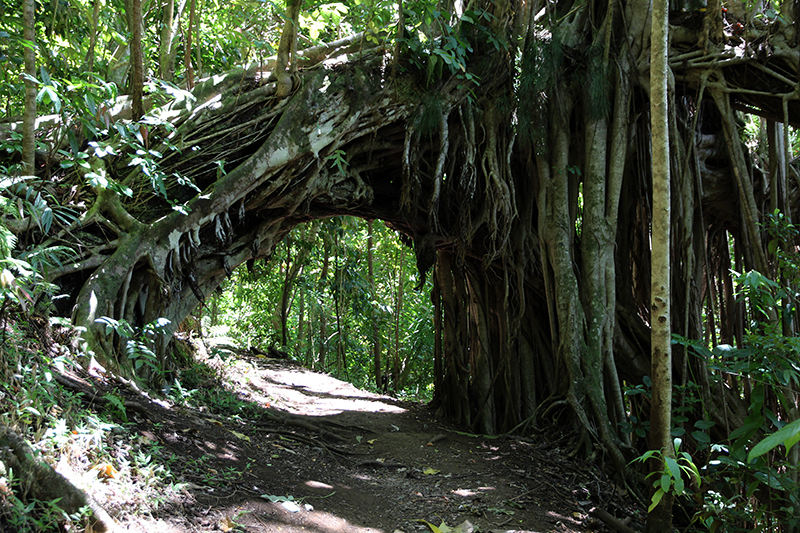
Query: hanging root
[[499, 190], [438, 175]]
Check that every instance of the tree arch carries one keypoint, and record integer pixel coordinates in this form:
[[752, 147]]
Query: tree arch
[[527, 192]]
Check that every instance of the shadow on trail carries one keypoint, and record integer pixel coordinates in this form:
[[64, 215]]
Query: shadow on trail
[[304, 452]]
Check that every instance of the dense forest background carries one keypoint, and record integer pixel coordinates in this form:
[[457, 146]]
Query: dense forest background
[[151, 148], [327, 301]]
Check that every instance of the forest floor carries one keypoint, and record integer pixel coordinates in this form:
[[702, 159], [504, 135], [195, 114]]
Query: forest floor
[[305, 452]]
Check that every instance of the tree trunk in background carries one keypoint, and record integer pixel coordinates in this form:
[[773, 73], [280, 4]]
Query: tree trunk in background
[[660, 518], [301, 327], [285, 62], [338, 301], [286, 292], [376, 339], [187, 53], [166, 66], [322, 286], [294, 268], [93, 37], [29, 118], [398, 315], [198, 16], [438, 368], [137, 59]]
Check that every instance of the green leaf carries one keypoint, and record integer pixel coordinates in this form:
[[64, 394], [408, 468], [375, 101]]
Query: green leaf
[[28, 77], [656, 499], [703, 424], [666, 482], [32, 410], [787, 435], [691, 468], [45, 76], [750, 426], [433, 528]]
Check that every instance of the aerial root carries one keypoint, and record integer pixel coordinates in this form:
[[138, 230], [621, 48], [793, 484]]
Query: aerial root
[[438, 175]]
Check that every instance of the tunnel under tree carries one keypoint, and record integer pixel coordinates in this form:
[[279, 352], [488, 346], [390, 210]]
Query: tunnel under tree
[[518, 164]]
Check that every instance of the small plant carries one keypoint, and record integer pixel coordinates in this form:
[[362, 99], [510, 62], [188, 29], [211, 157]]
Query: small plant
[[138, 342], [670, 479]]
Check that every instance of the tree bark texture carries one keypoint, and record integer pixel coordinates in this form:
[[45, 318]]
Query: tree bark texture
[[137, 59], [660, 517], [530, 197], [166, 64]]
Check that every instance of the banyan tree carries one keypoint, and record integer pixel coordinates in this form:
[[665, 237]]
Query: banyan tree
[[509, 142]]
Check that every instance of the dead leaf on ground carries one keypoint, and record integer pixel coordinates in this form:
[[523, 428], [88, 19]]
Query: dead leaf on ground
[[464, 527], [227, 524], [107, 471], [241, 436]]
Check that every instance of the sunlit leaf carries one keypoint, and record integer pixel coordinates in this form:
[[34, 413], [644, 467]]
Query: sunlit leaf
[[787, 435], [656, 499]]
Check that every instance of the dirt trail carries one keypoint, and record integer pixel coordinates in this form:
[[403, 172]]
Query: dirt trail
[[327, 457]]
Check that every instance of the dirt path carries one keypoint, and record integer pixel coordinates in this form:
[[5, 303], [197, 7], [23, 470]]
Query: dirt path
[[332, 458]]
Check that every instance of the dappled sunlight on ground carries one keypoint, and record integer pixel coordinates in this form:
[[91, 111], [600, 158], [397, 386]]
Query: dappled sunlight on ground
[[270, 516], [293, 451], [312, 394]]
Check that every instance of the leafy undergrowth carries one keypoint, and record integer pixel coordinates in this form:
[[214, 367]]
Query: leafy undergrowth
[[247, 443], [88, 438]]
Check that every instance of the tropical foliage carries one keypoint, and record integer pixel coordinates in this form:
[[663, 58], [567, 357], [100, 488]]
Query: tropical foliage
[[320, 274], [514, 149]]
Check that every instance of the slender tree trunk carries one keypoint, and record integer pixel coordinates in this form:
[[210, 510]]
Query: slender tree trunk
[[339, 303], [438, 366], [287, 48], [323, 317], [198, 70], [93, 36], [288, 285], [29, 118], [137, 59], [187, 54], [301, 325], [376, 339], [398, 316], [660, 519], [165, 50], [401, 22], [177, 33], [294, 267]]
